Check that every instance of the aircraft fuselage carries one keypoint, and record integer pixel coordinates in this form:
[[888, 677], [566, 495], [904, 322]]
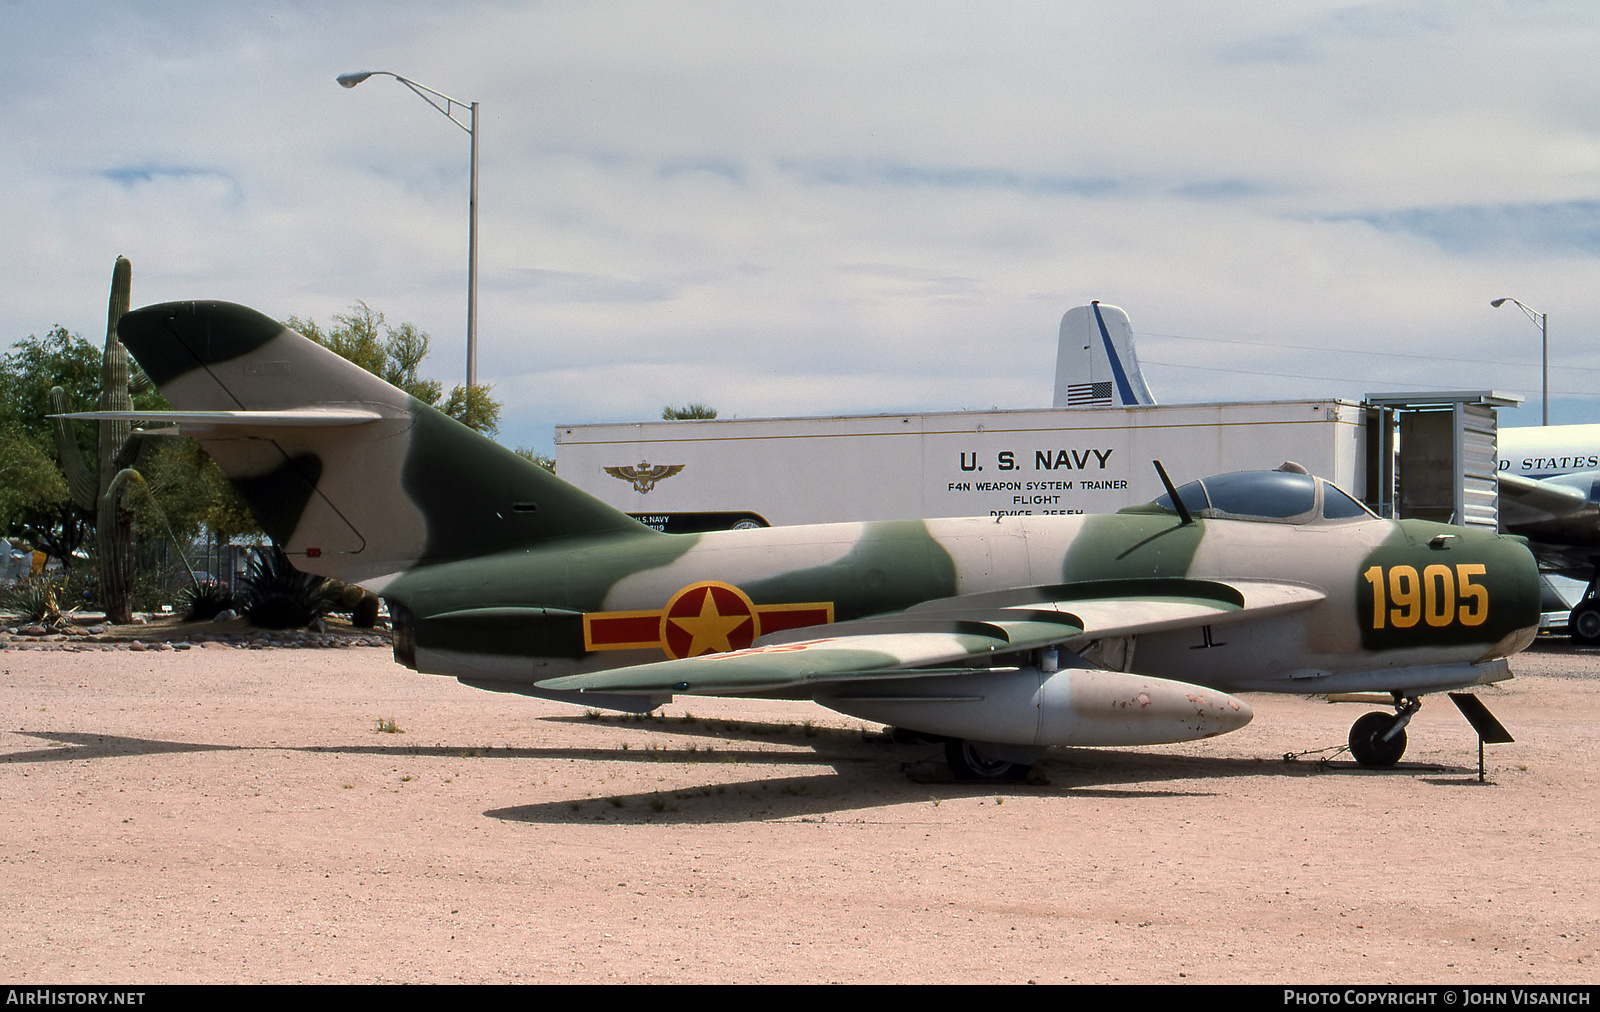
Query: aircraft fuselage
[[1421, 594]]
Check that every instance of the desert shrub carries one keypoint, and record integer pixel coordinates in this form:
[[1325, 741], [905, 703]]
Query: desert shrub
[[149, 592], [275, 595], [33, 600], [205, 600], [79, 587]]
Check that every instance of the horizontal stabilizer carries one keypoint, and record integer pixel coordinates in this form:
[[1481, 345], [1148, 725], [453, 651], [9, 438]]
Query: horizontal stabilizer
[[192, 423]]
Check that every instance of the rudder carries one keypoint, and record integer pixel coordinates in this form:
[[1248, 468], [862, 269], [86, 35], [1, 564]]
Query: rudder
[[1095, 362]]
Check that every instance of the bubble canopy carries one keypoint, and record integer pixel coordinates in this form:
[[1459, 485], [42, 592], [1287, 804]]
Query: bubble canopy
[[1275, 496]]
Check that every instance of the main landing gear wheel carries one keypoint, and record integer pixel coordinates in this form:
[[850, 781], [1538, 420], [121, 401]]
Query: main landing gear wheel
[[967, 761], [1367, 742], [1583, 625]]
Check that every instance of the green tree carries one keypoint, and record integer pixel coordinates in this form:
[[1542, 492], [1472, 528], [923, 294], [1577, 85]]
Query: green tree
[[474, 408], [34, 365], [687, 412], [529, 453], [36, 509], [30, 482], [189, 493], [395, 354], [33, 493]]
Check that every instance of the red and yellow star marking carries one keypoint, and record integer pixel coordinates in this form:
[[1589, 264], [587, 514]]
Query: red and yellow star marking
[[702, 618]]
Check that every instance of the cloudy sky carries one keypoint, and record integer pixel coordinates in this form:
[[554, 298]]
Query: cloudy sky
[[812, 207]]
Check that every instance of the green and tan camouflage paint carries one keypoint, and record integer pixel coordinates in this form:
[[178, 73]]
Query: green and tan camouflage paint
[[498, 570]]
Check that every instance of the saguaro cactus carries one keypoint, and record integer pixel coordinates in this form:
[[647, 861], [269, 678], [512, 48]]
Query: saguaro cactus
[[100, 491]]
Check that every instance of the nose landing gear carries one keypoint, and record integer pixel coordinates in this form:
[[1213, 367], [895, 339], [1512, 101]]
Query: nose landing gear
[[1378, 739]]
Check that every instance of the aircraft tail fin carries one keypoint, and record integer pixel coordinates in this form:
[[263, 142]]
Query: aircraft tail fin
[[1095, 363], [350, 476]]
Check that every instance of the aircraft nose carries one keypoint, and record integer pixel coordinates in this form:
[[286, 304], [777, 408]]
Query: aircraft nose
[[1531, 595], [1511, 575]]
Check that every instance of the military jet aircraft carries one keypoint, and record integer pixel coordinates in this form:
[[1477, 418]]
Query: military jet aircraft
[[999, 636]]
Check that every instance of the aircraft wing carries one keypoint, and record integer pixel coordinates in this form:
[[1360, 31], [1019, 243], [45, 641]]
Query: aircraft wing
[[1531, 500], [951, 636]]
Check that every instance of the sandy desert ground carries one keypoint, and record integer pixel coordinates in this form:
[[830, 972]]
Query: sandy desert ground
[[225, 815]]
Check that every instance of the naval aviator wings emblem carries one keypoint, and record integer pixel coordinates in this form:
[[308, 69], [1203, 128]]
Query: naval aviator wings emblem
[[645, 475]]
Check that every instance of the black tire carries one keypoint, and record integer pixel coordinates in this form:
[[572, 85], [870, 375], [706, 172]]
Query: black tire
[[1367, 744], [968, 762], [1583, 625]]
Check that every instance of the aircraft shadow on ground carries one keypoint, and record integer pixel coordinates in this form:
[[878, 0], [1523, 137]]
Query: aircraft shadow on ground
[[80, 745], [867, 771], [861, 784]]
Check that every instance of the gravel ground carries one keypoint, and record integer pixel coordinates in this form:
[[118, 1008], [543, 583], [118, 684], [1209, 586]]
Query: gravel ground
[[220, 815]]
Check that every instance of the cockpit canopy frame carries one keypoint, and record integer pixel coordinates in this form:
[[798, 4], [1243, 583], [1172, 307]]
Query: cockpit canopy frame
[[1279, 497]]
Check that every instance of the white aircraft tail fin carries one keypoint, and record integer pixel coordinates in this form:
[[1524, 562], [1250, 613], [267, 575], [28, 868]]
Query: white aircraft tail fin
[[1095, 364]]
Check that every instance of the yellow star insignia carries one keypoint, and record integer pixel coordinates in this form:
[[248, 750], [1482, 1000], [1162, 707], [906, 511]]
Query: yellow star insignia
[[710, 629]]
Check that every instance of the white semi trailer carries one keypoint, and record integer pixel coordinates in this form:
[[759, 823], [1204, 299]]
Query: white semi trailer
[[774, 471], [1091, 453]]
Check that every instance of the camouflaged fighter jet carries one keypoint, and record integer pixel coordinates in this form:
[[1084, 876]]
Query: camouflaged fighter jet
[[998, 636]]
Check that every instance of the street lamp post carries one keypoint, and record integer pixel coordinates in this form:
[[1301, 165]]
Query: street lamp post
[[433, 98], [1543, 320]]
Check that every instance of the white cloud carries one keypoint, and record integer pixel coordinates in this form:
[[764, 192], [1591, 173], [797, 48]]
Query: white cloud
[[828, 207]]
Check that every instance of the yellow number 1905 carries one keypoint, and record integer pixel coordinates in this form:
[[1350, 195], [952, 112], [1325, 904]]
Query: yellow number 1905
[[1402, 597]]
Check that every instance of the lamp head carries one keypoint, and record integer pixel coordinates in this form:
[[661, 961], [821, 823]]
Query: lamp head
[[351, 80]]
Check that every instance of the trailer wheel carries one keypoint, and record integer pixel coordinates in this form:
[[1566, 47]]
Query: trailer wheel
[[1583, 625]]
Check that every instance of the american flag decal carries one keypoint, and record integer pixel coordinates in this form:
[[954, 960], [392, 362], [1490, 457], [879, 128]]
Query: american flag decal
[[1088, 393]]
